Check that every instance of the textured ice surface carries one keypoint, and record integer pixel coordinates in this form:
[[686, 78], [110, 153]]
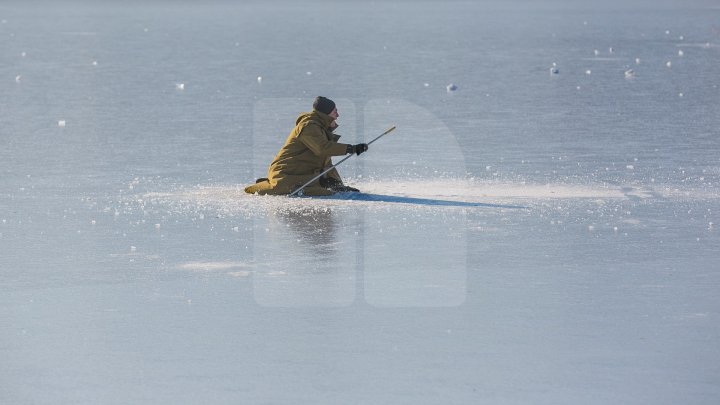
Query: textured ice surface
[[527, 238]]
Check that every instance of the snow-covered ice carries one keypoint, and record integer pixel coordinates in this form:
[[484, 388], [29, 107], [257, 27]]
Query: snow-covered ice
[[518, 241]]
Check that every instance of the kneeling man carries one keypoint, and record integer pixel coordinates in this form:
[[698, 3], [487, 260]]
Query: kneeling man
[[307, 152]]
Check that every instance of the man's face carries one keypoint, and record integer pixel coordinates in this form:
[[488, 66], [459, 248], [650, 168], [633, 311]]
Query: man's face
[[334, 113]]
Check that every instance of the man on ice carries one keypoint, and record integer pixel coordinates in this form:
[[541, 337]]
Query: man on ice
[[307, 153]]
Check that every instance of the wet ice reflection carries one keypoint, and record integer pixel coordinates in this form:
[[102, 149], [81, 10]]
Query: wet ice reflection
[[320, 257], [305, 257]]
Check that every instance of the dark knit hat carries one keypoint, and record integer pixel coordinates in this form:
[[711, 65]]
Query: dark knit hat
[[324, 105]]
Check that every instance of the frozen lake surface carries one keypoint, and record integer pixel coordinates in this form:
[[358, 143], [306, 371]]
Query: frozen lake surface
[[543, 232]]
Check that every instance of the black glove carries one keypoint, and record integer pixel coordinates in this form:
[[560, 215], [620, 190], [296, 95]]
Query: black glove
[[359, 148]]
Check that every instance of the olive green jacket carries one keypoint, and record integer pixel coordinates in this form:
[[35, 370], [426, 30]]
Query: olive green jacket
[[305, 154]]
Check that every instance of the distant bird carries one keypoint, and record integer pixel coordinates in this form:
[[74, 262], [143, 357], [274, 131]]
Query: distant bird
[[451, 87], [629, 73], [180, 86]]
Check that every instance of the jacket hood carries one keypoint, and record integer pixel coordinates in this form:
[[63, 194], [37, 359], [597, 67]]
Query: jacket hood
[[317, 116]]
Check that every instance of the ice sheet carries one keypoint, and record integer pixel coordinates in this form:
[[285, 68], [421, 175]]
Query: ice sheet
[[526, 238]]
